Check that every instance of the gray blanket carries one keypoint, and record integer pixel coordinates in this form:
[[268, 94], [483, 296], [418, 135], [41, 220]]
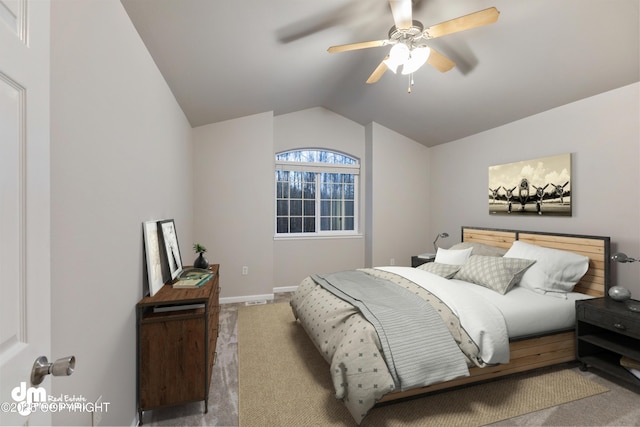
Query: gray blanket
[[418, 348]]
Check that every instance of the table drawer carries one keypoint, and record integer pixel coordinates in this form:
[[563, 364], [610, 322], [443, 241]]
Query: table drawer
[[627, 325]]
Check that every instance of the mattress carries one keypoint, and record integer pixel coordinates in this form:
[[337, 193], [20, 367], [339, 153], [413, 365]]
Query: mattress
[[527, 312]]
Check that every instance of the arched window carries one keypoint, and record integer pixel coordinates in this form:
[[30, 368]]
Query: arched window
[[316, 193]]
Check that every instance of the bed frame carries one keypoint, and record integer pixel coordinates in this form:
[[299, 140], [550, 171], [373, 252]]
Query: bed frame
[[537, 351]]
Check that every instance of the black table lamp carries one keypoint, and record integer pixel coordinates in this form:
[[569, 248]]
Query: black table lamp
[[443, 235]]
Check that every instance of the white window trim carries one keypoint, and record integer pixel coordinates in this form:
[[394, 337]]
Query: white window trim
[[353, 169], [314, 167], [316, 236]]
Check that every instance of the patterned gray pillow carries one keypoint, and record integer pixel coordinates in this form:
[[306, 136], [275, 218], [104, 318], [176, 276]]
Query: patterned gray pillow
[[480, 248], [444, 270], [496, 273]]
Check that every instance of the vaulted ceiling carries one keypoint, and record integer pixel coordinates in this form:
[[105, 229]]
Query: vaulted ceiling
[[225, 59]]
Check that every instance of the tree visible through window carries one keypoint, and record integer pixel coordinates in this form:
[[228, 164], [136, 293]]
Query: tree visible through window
[[316, 192]]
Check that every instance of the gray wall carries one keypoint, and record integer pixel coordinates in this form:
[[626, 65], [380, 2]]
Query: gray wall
[[121, 154], [234, 202], [442, 188], [603, 135], [235, 162], [399, 198]]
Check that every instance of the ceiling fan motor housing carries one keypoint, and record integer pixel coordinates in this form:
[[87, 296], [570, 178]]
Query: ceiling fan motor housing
[[407, 36]]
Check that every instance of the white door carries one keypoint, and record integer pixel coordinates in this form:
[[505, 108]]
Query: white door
[[25, 326]]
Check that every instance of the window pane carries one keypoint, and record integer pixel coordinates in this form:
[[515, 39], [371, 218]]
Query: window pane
[[283, 225], [325, 208], [349, 192], [296, 207], [309, 225], [336, 208], [325, 191], [348, 208], [295, 225], [282, 175], [295, 183], [316, 156], [333, 178], [348, 223], [282, 207], [310, 190], [325, 223], [336, 191], [309, 208]]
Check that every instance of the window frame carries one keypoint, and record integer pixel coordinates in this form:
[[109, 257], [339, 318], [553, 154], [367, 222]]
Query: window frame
[[318, 168]]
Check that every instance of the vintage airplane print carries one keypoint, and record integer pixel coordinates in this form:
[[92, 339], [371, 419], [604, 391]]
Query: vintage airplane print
[[531, 187]]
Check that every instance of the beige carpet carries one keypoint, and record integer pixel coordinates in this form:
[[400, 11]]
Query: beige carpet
[[284, 381]]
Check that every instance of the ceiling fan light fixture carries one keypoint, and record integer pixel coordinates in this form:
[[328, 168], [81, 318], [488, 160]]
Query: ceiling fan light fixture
[[398, 55], [417, 58]]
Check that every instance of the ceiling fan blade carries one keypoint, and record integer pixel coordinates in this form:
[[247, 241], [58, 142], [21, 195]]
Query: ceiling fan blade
[[402, 14], [356, 46], [466, 22], [316, 23], [378, 72], [439, 61]]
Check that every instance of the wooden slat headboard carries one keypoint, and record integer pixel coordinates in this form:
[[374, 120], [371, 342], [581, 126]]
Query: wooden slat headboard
[[595, 282]]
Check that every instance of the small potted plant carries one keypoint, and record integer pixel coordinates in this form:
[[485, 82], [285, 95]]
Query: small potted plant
[[201, 261]]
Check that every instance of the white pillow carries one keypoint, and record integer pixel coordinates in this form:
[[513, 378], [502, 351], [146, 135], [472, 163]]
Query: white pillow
[[452, 256], [554, 271]]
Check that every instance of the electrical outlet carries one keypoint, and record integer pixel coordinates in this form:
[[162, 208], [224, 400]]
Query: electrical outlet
[[392, 261], [245, 270]]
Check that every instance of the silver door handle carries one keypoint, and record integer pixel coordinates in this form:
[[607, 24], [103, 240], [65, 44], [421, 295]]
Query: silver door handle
[[61, 367]]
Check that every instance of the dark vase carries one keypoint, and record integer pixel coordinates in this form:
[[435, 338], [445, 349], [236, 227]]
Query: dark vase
[[201, 262]]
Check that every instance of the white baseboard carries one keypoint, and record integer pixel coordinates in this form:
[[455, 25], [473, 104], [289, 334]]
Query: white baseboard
[[284, 289], [246, 298], [257, 298]]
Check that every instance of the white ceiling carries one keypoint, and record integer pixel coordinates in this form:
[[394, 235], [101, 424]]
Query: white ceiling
[[225, 59]]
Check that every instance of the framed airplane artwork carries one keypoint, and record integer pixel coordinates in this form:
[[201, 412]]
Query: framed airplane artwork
[[531, 187]]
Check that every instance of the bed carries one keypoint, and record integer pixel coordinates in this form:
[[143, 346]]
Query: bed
[[485, 322]]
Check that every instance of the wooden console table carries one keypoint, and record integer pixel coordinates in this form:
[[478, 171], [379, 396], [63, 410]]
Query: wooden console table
[[177, 332]]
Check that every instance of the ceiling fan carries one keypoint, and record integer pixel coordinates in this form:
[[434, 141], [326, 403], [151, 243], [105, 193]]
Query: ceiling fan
[[409, 38]]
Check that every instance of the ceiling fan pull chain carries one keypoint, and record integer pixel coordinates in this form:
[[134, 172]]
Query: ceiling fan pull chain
[[410, 83]]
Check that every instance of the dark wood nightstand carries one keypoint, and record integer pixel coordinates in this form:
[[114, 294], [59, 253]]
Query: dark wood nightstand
[[177, 332], [417, 260], [606, 330]]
